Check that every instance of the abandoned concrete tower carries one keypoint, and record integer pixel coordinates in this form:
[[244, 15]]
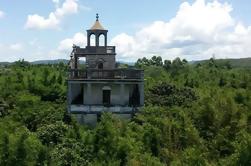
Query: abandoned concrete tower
[[101, 86]]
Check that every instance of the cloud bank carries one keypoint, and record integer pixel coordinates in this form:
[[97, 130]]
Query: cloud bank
[[66, 44], [36, 21], [198, 31]]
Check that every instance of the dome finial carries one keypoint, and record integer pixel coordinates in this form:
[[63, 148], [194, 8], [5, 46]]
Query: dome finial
[[97, 17], [97, 25]]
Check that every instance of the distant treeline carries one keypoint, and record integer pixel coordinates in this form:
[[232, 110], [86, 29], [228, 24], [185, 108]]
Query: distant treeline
[[242, 62]]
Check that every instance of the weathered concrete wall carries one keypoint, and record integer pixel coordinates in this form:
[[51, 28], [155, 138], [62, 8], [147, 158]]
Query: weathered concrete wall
[[93, 93], [98, 109], [108, 61], [115, 95], [119, 95], [93, 101], [96, 94]]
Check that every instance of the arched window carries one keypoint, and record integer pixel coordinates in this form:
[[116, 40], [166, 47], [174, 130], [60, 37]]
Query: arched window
[[100, 65], [101, 40], [92, 40]]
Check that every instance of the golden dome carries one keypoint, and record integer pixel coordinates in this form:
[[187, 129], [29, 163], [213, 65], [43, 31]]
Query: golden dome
[[97, 25]]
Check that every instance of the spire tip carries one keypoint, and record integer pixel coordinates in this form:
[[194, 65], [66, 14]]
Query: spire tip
[[97, 17]]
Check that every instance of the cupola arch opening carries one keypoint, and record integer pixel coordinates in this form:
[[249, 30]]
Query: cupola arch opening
[[101, 39]]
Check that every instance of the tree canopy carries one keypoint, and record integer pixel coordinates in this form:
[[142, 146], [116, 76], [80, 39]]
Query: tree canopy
[[194, 114]]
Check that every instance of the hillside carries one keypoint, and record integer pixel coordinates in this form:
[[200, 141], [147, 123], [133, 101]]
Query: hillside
[[57, 61], [242, 62]]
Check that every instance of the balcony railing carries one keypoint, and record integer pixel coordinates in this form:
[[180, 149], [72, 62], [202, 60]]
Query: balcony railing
[[106, 74], [89, 50]]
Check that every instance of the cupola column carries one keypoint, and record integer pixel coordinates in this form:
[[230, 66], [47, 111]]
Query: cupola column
[[97, 40], [88, 39], [106, 40]]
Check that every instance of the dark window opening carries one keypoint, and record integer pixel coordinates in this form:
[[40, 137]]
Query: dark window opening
[[106, 97], [99, 117], [100, 66], [79, 97], [134, 99]]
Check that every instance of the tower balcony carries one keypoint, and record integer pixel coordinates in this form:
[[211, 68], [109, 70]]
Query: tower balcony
[[117, 74]]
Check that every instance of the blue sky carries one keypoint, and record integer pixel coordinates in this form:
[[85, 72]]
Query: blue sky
[[138, 28]]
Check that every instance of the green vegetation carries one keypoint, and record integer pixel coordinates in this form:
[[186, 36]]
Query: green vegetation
[[242, 62], [194, 114]]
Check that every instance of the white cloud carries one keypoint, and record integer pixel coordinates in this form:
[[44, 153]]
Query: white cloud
[[66, 44], [16, 47], [36, 21], [126, 45], [2, 14], [56, 1], [11, 51], [196, 32]]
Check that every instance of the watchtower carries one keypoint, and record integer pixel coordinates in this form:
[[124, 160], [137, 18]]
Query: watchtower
[[101, 87]]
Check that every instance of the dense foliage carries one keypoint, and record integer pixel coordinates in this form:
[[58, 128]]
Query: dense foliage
[[194, 114]]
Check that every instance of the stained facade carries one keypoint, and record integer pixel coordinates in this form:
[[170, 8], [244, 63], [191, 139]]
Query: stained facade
[[101, 86]]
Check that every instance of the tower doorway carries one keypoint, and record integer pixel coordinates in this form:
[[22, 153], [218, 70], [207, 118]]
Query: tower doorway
[[100, 66], [106, 96]]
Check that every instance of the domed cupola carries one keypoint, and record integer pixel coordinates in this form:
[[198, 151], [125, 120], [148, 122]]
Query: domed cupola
[[97, 30]]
